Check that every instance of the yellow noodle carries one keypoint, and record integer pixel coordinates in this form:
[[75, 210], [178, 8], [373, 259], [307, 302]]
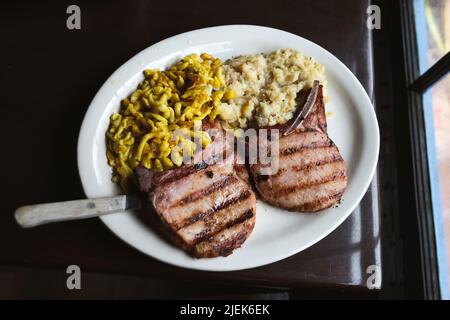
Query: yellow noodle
[[142, 132]]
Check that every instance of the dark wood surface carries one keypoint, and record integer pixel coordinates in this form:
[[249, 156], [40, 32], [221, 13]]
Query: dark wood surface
[[49, 75]]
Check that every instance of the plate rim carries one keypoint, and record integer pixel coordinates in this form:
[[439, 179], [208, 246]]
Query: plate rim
[[82, 137]]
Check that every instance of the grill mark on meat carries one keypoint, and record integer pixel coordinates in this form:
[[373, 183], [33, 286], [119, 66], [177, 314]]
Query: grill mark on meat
[[207, 234], [313, 204], [333, 177], [224, 246], [197, 195], [204, 214], [163, 192], [305, 153], [181, 173], [307, 168], [314, 145], [322, 162]]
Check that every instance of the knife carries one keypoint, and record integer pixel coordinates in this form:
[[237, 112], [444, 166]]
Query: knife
[[35, 215]]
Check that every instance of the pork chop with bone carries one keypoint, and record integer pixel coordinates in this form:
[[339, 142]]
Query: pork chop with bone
[[205, 207], [311, 173]]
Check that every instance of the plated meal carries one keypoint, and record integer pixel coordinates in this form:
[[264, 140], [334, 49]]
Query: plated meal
[[184, 120], [161, 143]]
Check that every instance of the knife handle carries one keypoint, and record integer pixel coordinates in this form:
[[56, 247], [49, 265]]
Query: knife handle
[[34, 215]]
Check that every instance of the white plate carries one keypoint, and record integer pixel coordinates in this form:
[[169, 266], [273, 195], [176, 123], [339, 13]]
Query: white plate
[[278, 234]]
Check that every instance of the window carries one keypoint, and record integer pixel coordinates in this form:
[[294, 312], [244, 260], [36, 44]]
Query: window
[[436, 102], [433, 30], [431, 80]]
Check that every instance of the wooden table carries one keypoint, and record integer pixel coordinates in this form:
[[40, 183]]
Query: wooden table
[[49, 76]]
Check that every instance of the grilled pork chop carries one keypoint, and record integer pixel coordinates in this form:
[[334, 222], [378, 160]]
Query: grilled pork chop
[[206, 208], [311, 174]]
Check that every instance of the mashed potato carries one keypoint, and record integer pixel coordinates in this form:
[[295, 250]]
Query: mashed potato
[[265, 86]]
